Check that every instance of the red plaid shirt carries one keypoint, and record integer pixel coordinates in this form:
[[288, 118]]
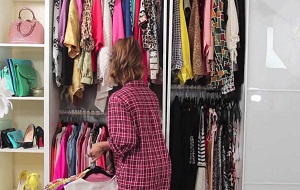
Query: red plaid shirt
[[136, 139]]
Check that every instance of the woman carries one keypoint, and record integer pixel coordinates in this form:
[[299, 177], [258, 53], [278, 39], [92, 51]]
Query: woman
[[140, 154]]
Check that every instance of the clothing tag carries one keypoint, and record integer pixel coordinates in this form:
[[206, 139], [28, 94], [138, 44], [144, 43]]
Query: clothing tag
[[235, 67], [153, 74]]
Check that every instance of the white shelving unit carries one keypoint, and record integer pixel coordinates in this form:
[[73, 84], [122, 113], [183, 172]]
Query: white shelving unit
[[21, 150], [22, 45], [27, 98], [27, 110]]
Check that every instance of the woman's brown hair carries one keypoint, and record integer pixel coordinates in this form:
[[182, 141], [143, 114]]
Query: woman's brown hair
[[126, 62]]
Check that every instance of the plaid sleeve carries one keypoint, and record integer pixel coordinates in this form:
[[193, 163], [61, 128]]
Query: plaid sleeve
[[122, 135]]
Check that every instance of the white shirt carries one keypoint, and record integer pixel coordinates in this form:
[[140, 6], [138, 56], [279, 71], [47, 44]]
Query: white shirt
[[232, 31], [81, 184]]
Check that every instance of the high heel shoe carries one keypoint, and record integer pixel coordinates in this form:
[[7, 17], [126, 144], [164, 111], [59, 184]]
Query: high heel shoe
[[28, 137], [22, 180], [32, 182], [39, 137]]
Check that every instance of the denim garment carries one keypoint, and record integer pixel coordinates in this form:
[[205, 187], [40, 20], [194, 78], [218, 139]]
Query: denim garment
[[71, 150], [127, 18]]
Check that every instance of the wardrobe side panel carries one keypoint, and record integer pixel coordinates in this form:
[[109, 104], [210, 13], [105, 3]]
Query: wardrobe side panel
[[52, 96], [33, 163], [6, 7], [6, 171]]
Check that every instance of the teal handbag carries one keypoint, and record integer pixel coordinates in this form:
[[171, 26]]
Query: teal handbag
[[6, 74], [16, 138], [26, 80], [12, 64]]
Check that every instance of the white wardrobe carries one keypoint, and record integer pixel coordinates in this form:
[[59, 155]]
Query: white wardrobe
[[27, 110], [272, 133]]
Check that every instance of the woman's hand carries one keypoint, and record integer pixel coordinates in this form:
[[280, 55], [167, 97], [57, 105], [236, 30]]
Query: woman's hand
[[98, 149]]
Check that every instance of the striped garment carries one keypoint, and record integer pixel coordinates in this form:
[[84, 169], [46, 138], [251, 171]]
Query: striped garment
[[201, 141]]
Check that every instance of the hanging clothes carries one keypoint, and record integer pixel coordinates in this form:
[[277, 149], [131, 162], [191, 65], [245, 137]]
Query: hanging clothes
[[98, 26], [63, 20], [177, 58], [208, 45], [53, 149], [83, 184], [87, 42], [72, 33], [176, 146], [61, 167], [103, 60], [232, 31], [148, 25], [71, 145], [118, 24], [77, 88], [56, 47], [186, 72], [239, 75], [194, 31], [126, 7], [203, 142]]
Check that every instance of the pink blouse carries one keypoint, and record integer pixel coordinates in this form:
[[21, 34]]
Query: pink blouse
[[207, 33], [118, 23], [61, 167], [84, 158]]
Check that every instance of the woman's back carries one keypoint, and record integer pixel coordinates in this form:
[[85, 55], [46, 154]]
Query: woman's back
[[142, 160]]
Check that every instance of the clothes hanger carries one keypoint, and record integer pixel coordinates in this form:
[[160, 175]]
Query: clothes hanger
[[96, 170]]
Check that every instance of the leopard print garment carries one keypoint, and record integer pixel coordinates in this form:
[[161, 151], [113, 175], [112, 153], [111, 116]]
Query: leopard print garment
[[194, 31], [111, 4], [87, 42], [148, 24]]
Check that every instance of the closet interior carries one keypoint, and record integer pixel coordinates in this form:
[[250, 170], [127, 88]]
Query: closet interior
[[205, 93], [81, 80], [176, 71]]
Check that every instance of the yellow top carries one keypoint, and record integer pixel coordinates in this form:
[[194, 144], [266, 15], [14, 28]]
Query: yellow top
[[77, 88], [72, 34], [186, 71]]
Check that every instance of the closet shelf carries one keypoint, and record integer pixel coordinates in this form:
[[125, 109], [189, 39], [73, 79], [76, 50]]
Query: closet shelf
[[22, 150], [29, 0], [22, 45], [27, 98]]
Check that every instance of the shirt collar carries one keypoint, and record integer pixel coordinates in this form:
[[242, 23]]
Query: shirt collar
[[136, 83]]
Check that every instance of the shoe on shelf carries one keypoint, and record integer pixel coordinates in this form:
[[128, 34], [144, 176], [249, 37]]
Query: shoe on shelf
[[39, 136], [32, 182], [22, 180], [28, 137]]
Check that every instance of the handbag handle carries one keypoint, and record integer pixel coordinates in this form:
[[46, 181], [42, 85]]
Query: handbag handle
[[33, 20]]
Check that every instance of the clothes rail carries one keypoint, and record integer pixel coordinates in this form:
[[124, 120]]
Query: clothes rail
[[81, 112], [193, 87]]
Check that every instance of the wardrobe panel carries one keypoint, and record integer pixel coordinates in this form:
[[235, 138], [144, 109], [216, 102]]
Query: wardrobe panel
[[272, 137], [36, 55], [26, 113], [4, 53], [6, 7], [38, 7], [6, 174], [10, 11], [271, 187], [33, 163], [274, 44]]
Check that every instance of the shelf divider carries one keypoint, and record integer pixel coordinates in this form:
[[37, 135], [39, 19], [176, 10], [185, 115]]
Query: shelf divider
[[22, 150]]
